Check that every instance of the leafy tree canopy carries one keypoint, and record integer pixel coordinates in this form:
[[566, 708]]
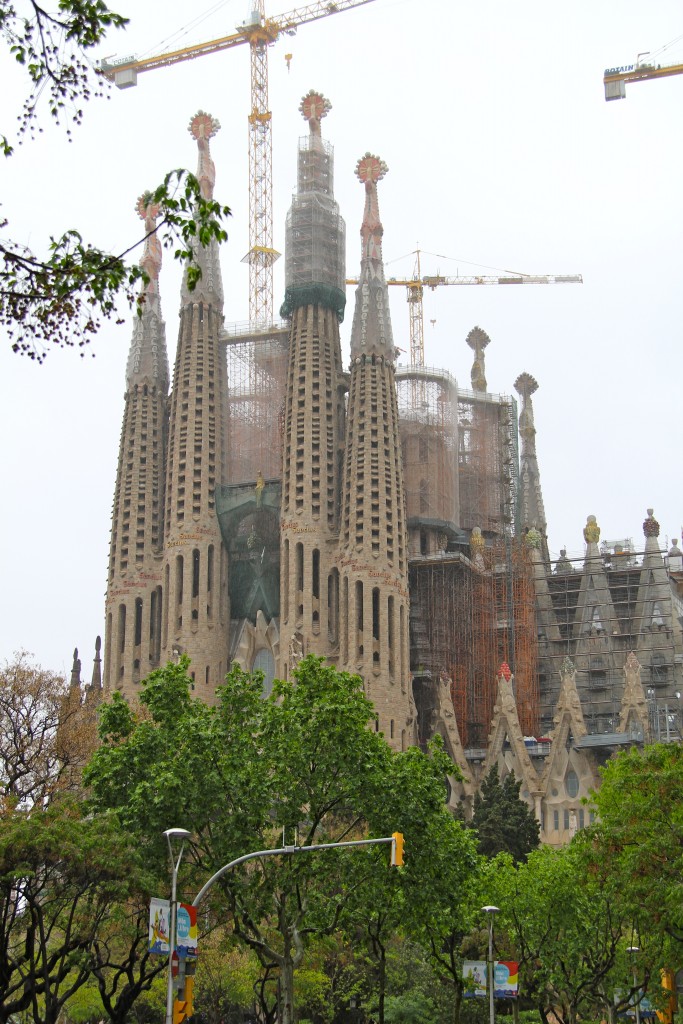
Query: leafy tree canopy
[[61, 296], [300, 767], [504, 823]]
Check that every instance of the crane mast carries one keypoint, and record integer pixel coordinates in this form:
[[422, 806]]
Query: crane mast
[[259, 32]]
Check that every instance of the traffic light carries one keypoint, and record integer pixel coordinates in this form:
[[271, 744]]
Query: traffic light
[[183, 1007], [397, 849]]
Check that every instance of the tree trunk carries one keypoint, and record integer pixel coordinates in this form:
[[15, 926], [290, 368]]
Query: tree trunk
[[287, 991], [382, 980]]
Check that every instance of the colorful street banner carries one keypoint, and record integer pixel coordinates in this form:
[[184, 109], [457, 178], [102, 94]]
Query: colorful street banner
[[474, 976], [186, 932], [159, 926], [505, 979]]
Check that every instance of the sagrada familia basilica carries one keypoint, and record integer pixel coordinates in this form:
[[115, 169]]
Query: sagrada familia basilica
[[272, 502]]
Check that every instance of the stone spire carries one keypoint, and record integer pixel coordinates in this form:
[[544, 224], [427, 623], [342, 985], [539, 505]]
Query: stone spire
[[314, 403], [373, 556], [478, 340], [195, 611], [209, 288], [371, 334], [132, 632], [147, 359], [532, 512], [315, 233]]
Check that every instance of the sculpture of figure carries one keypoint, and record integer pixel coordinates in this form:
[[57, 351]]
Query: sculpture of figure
[[260, 484]]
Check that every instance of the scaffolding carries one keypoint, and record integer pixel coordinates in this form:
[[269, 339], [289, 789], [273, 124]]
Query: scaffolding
[[468, 616], [429, 444], [599, 645], [257, 377], [488, 462]]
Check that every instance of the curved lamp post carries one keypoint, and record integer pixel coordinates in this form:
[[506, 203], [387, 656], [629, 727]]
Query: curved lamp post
[[180, 834], [492, 911]]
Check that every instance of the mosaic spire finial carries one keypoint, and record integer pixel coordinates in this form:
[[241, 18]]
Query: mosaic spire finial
[[478, 340], [203, 127], [369, 170], [314, 107]]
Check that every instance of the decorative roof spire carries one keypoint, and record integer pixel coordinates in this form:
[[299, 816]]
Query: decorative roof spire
[[478, 340], [148, 212], [147, 359], [202, 128], [371, 335], [369, 170], [314, 107], [532, 512]]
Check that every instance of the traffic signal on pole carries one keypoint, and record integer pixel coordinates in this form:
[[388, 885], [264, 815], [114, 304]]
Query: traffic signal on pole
[[183, 1007], [397, 849]]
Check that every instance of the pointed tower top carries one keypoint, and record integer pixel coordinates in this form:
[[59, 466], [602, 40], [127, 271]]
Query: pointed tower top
[[314, 107], [76, 671], [478, 340], [148, 212], [591, 534], [147, 358], [203, 127], [371, 335], [369, 170], [526, 385], [96, 680], [650, 526]]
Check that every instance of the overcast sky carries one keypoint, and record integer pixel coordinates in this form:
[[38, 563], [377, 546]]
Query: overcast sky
[[502, 154]]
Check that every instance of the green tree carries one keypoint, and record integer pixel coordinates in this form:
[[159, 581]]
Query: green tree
[[569, 930], [298, 768], [41, 744], [60, 873], [61, 296], [503, 822], [639, 832]]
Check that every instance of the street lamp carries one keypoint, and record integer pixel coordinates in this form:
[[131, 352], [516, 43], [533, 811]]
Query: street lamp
[[634, 950], [182, 834], [492, 911]]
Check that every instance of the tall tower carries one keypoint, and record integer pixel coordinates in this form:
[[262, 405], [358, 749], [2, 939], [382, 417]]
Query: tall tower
[[314, 406], [195, 612], [373, 555], [531, 510], [133, 604]]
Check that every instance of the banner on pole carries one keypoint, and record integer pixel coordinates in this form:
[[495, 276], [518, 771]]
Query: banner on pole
[[159, 926], [505, 979], [186, 932]]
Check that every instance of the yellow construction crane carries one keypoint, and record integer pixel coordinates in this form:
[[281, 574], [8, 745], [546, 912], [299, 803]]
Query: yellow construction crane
[[259, 32], [416, 285], [615, 79]]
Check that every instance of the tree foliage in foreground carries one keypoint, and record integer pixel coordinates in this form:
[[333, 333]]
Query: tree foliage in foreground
[[504, 823], [61, 295], [60, 874], [639, 832], [300, 767]]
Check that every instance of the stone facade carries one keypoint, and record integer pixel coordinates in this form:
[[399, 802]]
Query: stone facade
[[381, 517]]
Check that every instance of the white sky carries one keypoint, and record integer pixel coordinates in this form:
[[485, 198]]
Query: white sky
[[501, 152]]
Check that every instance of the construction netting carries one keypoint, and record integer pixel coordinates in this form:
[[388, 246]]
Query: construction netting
[[315, 233], [257, 377]]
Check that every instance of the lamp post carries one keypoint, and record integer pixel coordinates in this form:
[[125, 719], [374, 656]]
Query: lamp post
[[491, 911], [182, 834], [634, 950]]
